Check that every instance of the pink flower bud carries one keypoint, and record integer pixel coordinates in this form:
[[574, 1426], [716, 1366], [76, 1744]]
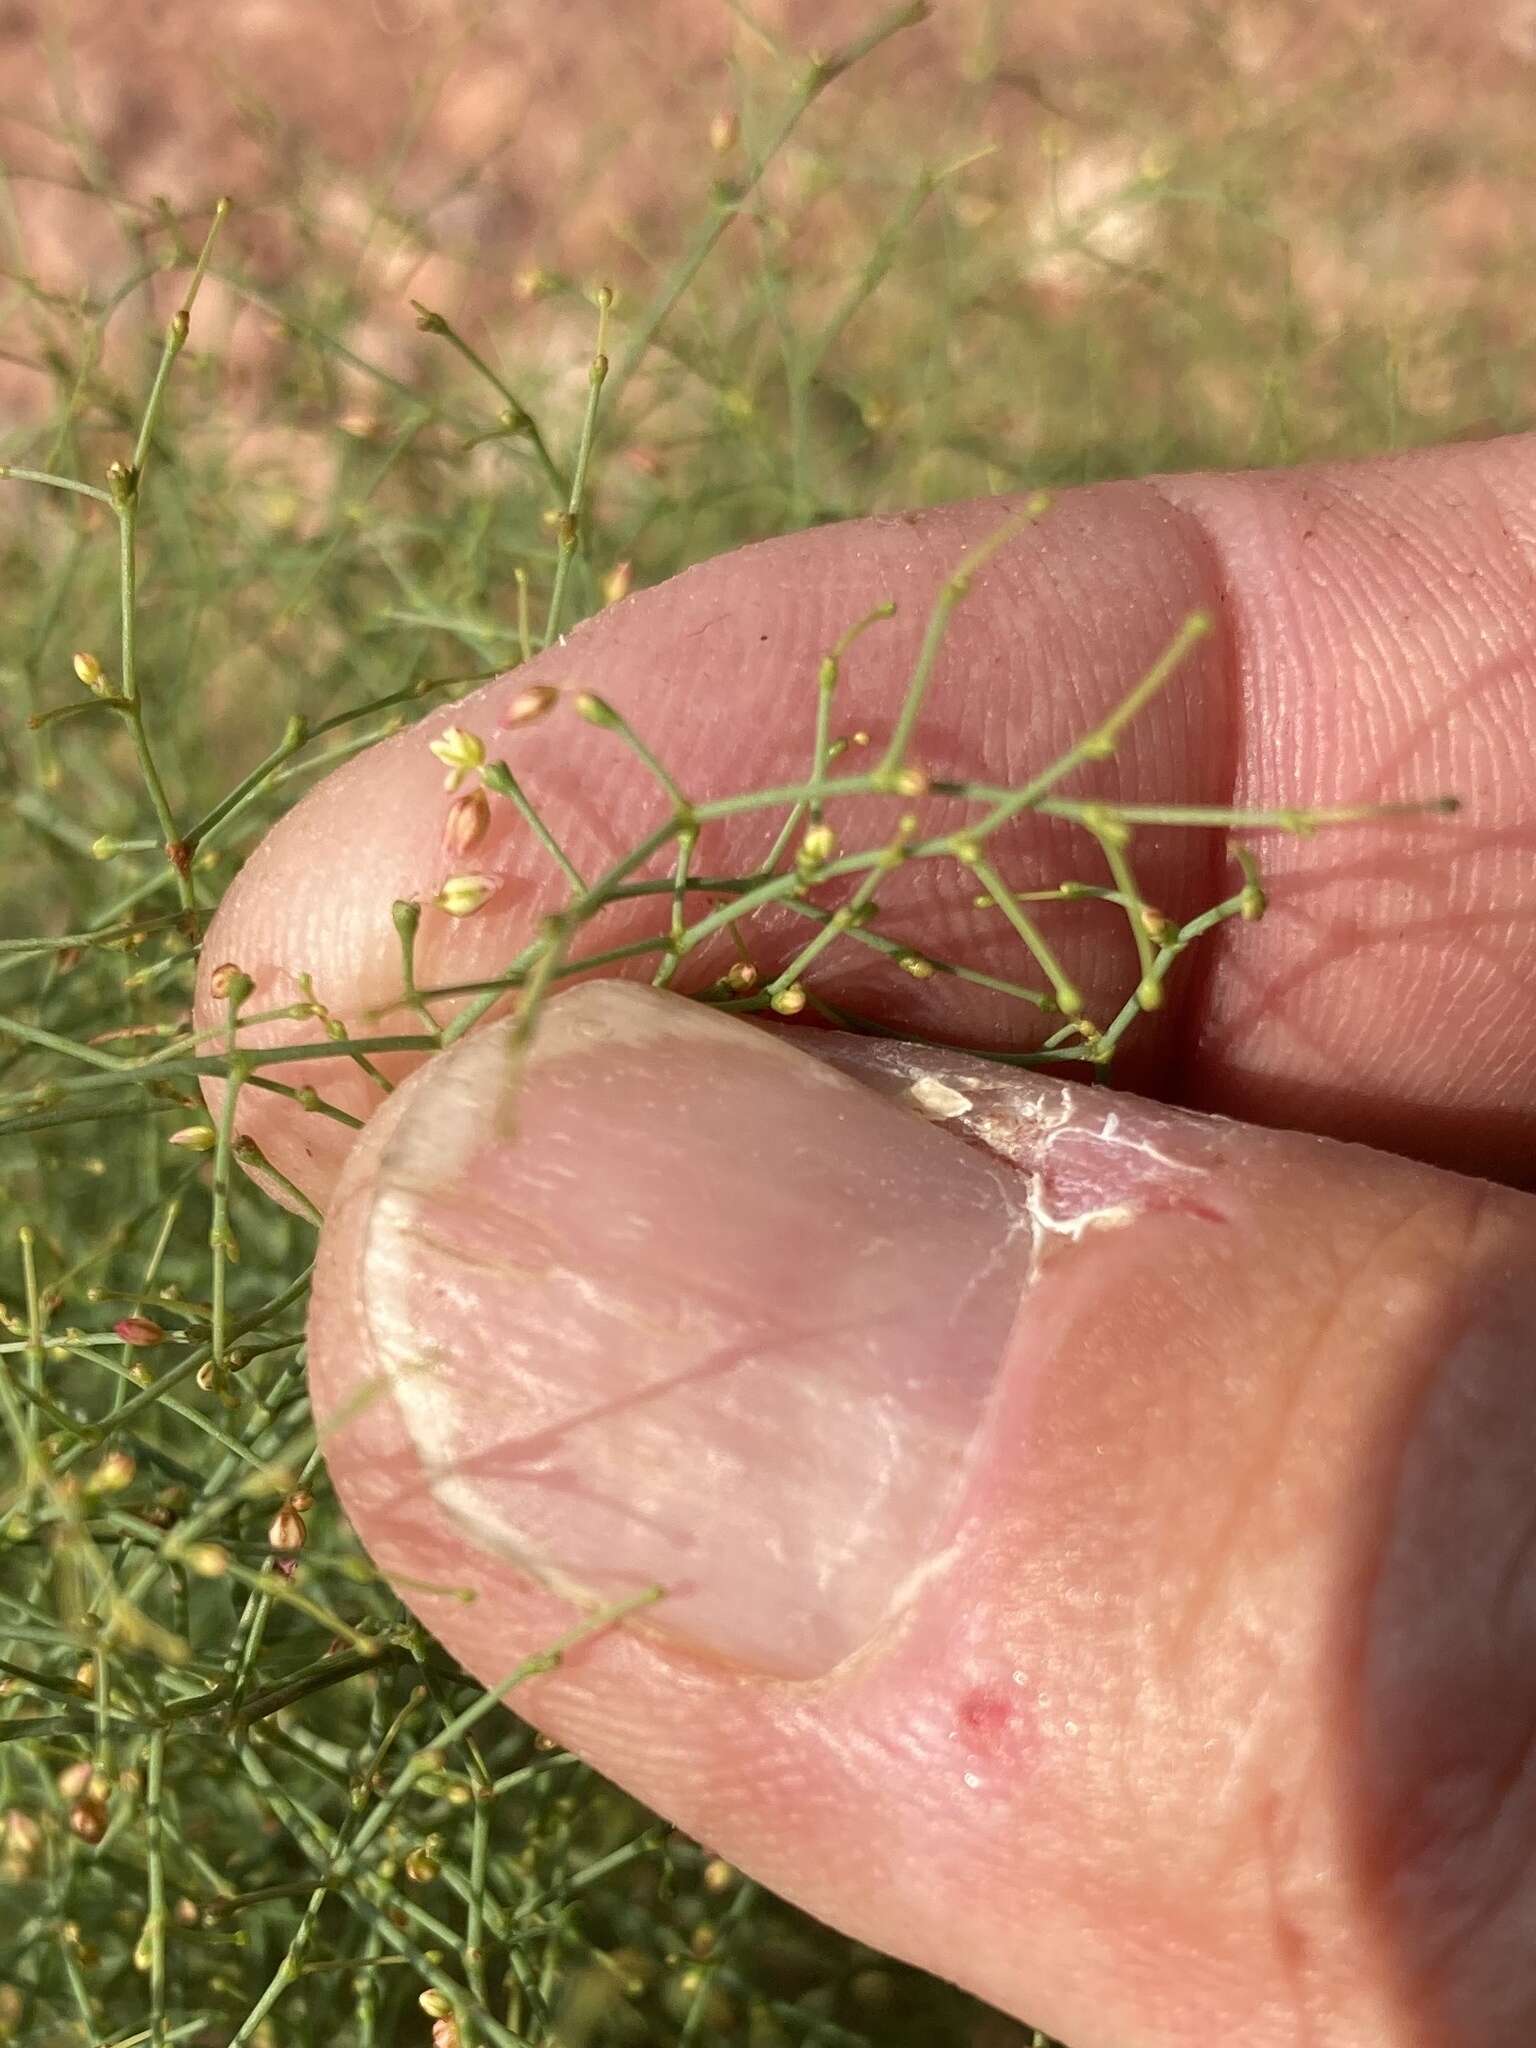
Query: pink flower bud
[[88, 1818], [287, 1531], [535, 702], [139, 1330], [467, 822]]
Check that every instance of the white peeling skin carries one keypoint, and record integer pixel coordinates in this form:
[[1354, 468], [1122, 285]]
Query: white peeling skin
[[1081, 1166], [935, 1098]]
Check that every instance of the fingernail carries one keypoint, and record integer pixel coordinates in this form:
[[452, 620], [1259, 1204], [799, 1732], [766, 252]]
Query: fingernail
[[665, 1301]]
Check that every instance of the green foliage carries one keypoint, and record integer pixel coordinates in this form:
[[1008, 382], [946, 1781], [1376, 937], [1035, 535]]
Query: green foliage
[[249, 1800]]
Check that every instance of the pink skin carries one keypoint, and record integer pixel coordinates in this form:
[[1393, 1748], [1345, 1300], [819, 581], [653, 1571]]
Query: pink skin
[[1177, 1686], [1219, 1438], [1374, 640]]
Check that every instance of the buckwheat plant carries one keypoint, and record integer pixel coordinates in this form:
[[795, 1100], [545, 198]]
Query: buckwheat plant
[[246, 1800]]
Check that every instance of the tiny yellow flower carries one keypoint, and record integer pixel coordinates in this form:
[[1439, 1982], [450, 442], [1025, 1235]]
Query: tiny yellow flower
[[462, 895], [460, 752]]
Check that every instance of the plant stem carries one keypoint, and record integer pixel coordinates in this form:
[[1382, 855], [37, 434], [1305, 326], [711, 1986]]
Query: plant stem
[[570, 528]]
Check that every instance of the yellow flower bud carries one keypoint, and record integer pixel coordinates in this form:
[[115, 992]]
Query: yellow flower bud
[[462, 895], [194, 1138], [460, 752]]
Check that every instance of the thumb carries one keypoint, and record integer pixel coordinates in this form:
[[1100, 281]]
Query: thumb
[[1095, 1539]]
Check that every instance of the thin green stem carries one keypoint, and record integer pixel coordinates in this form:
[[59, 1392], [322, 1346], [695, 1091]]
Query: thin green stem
[[220, 1236], [1064, 991], [498, 777], [524, 616], [175, 341], [126, 483], [1113, 839], [598, 711], [307, 1100], [256, 1163], [569, 534], [576, 913], [817, 77], [847, 917], [470, 1717], [518, 422], [822, 752], [1197, 928], [153, 1937], [1100, 743], [296, 735], [9, 473], [953, 592], [407, 917], [687, 840], [1301, 822]]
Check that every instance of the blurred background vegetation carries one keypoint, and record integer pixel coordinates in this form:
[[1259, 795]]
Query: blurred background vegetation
[[1008, 247]]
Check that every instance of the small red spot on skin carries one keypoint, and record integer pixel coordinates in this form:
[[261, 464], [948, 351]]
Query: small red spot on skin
[[983, 1716]]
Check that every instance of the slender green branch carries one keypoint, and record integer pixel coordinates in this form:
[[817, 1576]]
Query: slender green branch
[[153, 1938], [569, 531], [953, 591], [819, 74], [1100, 743], [517, 422], [175, 341], [9, 473], [1064, 991], [497, 776]]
